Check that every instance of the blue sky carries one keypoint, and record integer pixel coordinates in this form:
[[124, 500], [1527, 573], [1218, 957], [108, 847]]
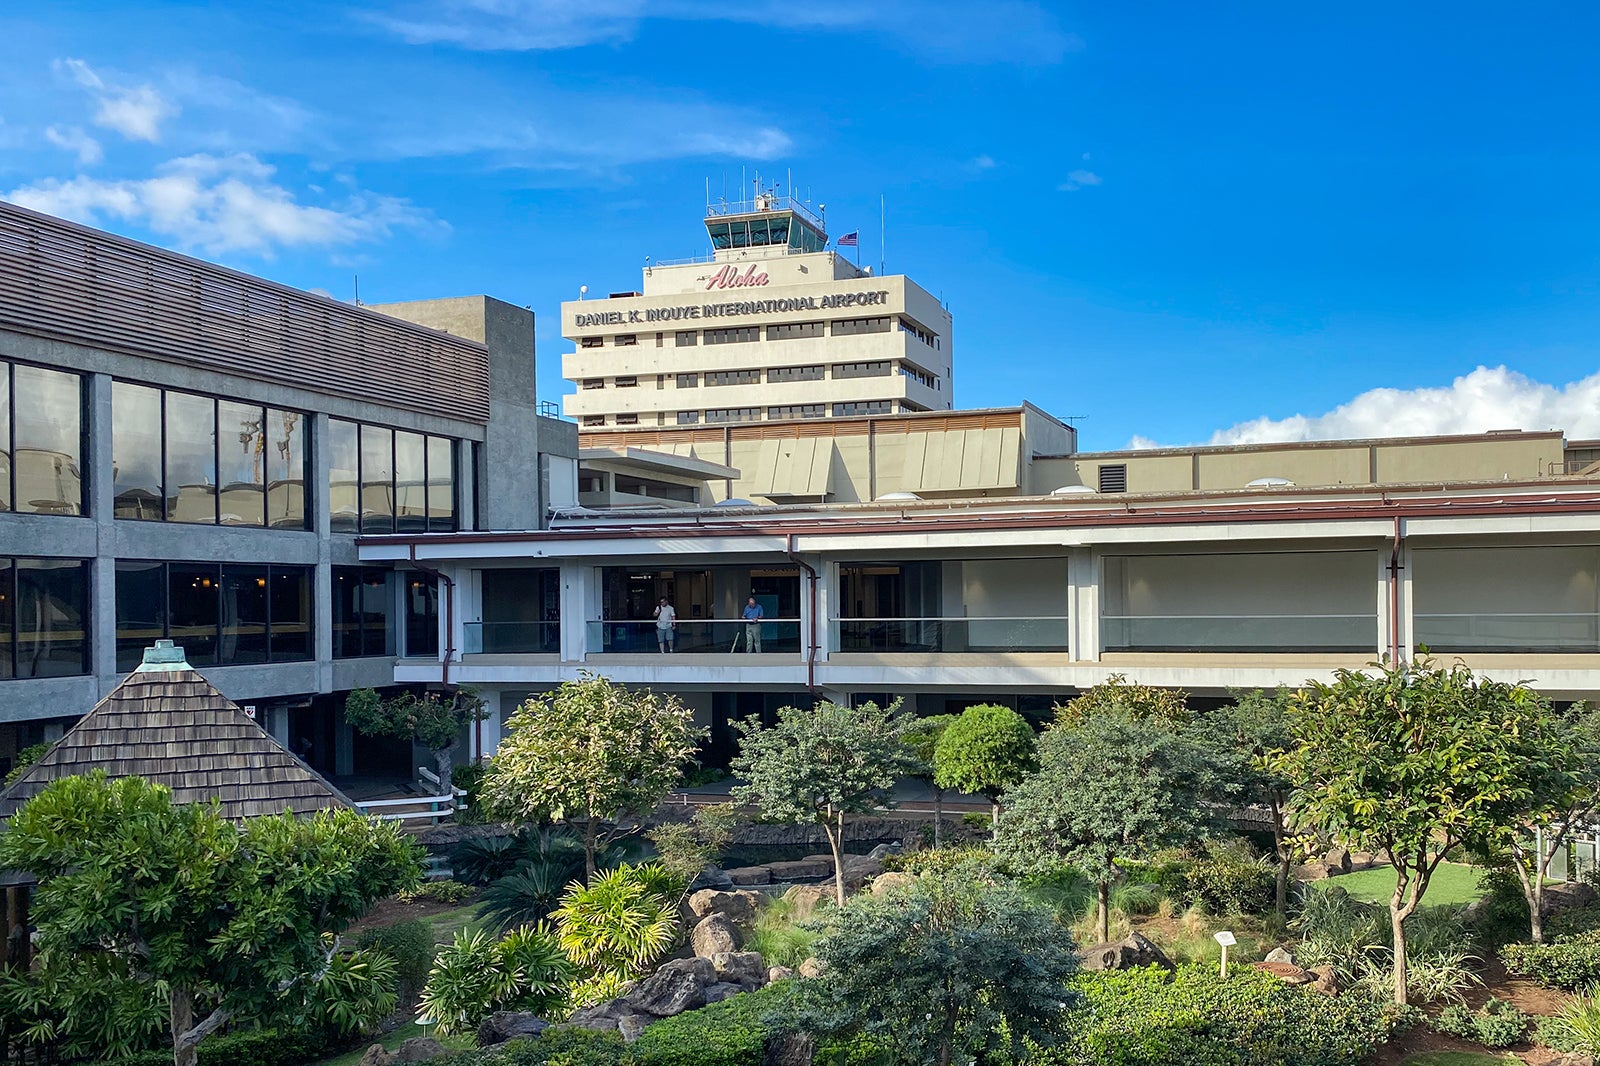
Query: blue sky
[[1184, 222]]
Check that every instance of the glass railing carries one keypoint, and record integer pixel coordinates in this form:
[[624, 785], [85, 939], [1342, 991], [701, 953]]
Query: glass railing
[[1507, 632], [700, 635], [511, 638], [950, 634], [1242, 633]]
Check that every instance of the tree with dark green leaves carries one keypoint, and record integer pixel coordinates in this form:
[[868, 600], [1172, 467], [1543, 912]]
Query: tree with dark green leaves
[[956, 967], [1112, 785], [223, 921], [821, 765], [1249, 733], [590, 752], [922, 738], [986, 750], [1412, 760], [433, 719]]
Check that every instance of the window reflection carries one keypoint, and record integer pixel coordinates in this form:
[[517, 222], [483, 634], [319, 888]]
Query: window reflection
[[141, 610], [362, 609], [191, 458], [377, 480], [241, 458], [51, 616], [343, 476], [48, 426], [244, 615], [286, 465], [410, 482], [384, 480], [441, 484], [136, 451], [220, 614]]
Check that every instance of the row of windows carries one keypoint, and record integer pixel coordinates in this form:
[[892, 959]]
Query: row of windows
[[878, 369], [781, 331], [384, 480], [183, 457], [866, 407], [917, 374], [797, 410], [733, 377], [660, 490], [734, 414], [221, 614]]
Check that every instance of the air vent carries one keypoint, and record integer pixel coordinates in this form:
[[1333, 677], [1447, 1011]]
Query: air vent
[[1114, 477]]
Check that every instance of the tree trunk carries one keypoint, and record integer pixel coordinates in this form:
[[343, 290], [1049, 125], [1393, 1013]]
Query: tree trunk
[[1105, 911], [181, 1016], [835, 830], [1532, 889], [994, 819], [1281, 897], [938, 817], [443, 760], [588, 850], [1397, 923]]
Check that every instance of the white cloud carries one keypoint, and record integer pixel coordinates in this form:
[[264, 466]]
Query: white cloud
[[1488, 398], [985, 162], [1079, 179], [74, 140], [135, 111], [1012, 31], [217, 204]]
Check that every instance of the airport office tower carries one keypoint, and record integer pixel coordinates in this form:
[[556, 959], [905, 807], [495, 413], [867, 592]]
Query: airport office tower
[[770, 326]]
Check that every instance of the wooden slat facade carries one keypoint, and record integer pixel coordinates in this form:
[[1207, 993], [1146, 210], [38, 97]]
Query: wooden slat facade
[[64, 282]]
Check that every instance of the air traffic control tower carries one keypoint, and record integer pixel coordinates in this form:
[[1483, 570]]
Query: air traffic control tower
[[773, 324]]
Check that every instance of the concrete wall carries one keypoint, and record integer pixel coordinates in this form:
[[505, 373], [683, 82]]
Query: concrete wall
[[1257, 583]]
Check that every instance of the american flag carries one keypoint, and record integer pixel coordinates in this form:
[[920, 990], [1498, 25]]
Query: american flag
[[849, 240]]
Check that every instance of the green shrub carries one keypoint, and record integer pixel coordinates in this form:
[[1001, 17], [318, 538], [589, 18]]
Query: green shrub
[[940, 860], [778, 936], [1499, 1024], [475, 976], [22, 760], [449, 892], [526, 896], [1503, 914], [731, 1033], [410, 945], [978, 821], [1570, 963], [553, 1047], [468, 777], [1576, 1028], [253, 1047], [1456, 1020], [1229, 880], [1147, 1017]]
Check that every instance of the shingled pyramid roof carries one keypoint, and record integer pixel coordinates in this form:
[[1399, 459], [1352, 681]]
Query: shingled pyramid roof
[[169, 725]]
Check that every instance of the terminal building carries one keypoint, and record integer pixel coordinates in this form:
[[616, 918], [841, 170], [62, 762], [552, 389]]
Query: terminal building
[[190, 453], [770, 326]]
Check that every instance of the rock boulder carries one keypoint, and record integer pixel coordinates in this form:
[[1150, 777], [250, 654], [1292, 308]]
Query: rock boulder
[[1123, 955], [806, 899], [739, 906], [715, 933], [1337, 860], [418, 1049], [892, 881], [505, 1025], [676, 987], [722, 990], [751, 875], [1568, 895], [747, 969]]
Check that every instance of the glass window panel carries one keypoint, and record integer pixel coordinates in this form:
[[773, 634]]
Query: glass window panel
[[52, 615], [241, 449], [5, 444], [346, 612], [141, 610], [377, 637], [343, 495], [422, 616], [410, 482], [377, 480], [441, 484], [49, 431], [136, 450], [290, 606], [192, 597], [244, 615], [8, 603], [286, 468], [191, 458]]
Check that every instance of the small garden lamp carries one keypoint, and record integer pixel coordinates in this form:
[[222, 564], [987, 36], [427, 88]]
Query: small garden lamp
[[1227, 940]]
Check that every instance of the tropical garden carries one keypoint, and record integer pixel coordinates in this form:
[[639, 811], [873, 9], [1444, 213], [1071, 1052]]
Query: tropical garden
[[1374, 851]]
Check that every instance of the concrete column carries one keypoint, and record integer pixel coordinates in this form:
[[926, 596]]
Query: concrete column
[[317, 504], [103, 570], [490, 728], [579, 596], [469, 608], [277, 723], [1084, 574], [827, 605]]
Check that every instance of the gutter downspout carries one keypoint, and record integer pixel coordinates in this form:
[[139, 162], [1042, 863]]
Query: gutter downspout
[[811, 618], [447, 583], [1394, 596]]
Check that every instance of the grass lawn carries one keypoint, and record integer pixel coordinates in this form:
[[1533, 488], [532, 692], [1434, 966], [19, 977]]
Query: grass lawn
[[446, 924], [1457, 1058], [1453, 882], [393, 1040]]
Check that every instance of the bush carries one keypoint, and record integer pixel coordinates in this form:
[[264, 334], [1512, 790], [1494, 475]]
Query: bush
[[1499, 1024], [978, 821], [553, 1047], [449, 892], [410, 945], [731, 1033], [1503, 914], [1576, 1028], [476, 976], [22, 760], [253, 1047], [1229, 880], [776, 934], [940, 860], [1570, 963], [1147, 1017], [468, 777], [526, 896]]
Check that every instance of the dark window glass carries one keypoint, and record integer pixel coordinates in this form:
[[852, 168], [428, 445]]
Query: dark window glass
[[410, 482], [376, 634], [242, 452], [289, 606], [343, 480], [441, 483], [377, 480], [285, 463], [5, 441], [52, 636], [346, 612], [141, 610], [422, 616], [48, 424], [192, 596], [191, 458], [136, 451], [8, 602], [244, 615]]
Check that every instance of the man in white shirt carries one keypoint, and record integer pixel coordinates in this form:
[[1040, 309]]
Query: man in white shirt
[[666, 625]]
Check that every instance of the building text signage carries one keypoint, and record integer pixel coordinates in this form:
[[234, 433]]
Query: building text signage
[[830, 302], [730, 278]]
